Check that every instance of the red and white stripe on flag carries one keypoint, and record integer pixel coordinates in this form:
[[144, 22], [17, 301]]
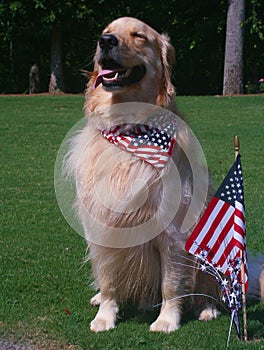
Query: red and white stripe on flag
[[221, 233]]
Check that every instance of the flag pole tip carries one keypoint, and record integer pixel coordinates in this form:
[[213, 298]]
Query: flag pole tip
[[236, 144]]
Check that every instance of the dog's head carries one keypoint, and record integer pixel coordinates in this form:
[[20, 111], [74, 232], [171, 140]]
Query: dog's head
[[133, 64]]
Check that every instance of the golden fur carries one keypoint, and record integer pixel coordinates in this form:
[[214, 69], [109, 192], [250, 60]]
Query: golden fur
[[155, 52], [160, 269]]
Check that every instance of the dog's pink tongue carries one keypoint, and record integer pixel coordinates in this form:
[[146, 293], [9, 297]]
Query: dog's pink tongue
[[101, 74]]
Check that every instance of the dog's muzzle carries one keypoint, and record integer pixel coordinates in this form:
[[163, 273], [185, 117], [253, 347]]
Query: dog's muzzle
[[107, 42], [113, 75]]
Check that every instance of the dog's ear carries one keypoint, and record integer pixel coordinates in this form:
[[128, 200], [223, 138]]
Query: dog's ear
[[167, 91], [91, 79]]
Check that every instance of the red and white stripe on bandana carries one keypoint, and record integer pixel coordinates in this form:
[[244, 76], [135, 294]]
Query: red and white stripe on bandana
[[152, 142]]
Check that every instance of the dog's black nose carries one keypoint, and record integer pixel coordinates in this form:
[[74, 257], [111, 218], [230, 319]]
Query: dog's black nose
[[108, 41]]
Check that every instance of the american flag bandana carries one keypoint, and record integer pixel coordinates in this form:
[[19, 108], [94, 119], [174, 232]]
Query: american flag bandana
[[152, 142]]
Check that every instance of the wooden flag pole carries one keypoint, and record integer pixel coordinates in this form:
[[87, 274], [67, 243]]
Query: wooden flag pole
[[244, 305], [236, 146]]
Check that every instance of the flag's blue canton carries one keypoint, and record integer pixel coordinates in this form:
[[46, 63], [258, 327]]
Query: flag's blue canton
[[231, 189]]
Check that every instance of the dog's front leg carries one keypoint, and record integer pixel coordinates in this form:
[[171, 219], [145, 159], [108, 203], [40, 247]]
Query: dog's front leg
[[169, 318], [106, 315], [170, 313]]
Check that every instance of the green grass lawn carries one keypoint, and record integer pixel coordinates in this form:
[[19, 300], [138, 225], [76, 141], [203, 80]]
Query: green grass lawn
[[44, 286]]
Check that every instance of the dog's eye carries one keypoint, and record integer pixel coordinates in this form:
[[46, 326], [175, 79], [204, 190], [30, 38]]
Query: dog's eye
[[138, 35]]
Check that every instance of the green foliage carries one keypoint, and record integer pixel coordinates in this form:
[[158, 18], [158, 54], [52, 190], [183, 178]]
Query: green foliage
[[251, 88], [256, 20], [261, 85], [254, 36], [44, 287]]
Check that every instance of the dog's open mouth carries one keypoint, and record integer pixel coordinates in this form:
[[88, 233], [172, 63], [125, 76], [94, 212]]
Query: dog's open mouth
[[119, 77]]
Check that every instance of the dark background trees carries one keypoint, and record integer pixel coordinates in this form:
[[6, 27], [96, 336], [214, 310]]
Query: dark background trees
[[49, 32]]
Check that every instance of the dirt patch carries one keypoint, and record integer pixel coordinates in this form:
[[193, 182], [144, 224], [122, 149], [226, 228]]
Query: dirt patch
[[10, 345], [16, 345], [41, 94]]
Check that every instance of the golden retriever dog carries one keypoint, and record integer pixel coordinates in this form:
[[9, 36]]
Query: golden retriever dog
[[132, 64]]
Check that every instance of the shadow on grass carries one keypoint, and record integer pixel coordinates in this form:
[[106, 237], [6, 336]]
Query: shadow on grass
[[255, 320], [130, 312]]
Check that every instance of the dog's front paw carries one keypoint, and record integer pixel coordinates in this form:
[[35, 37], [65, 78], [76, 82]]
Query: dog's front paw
[[96, 300], [106, 316], [100, 324], [168, 320], [209, 314], [164, 326]]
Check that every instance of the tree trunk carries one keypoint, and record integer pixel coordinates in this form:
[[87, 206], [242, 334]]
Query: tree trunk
[[56, 84], [233, 68], [34, 79], [11, 57]]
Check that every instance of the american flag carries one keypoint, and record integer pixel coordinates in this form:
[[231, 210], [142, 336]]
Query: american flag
[[152, 142], [221, 232]]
